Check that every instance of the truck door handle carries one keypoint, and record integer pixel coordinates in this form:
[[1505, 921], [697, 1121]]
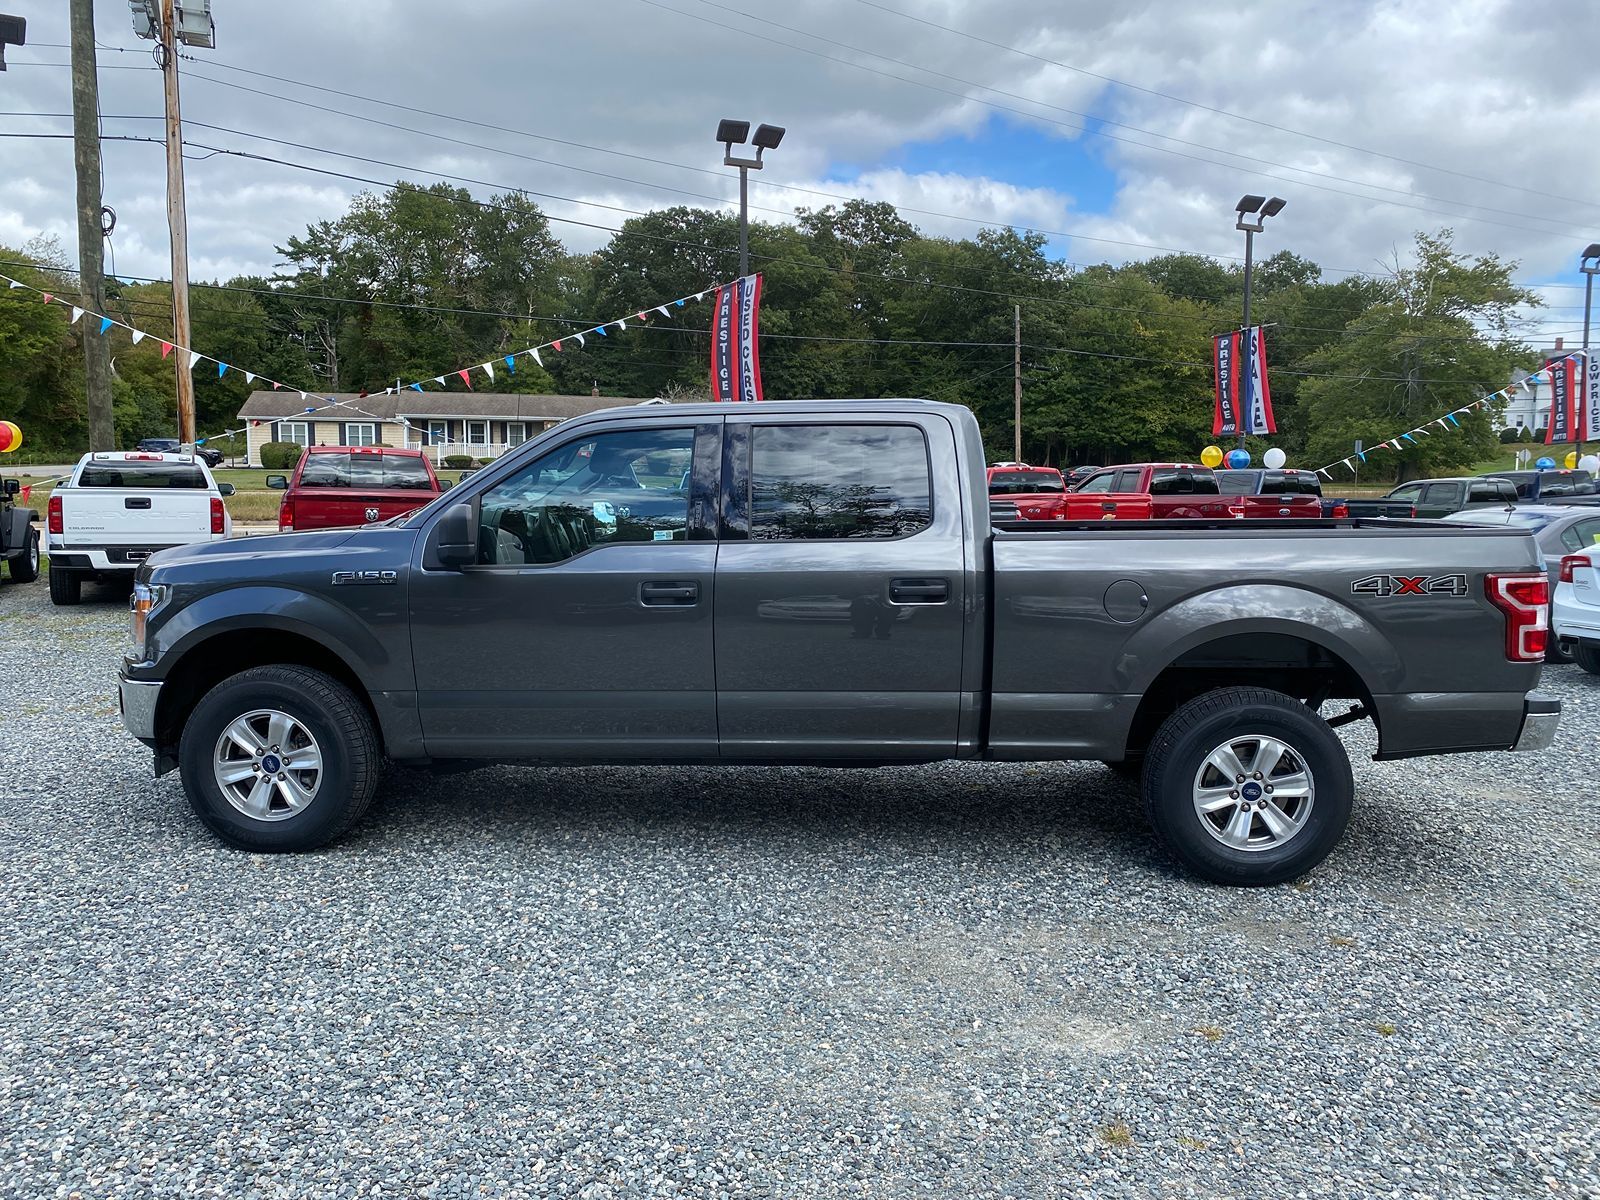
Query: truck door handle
[[673, 593], [919, 591], [136, 502]]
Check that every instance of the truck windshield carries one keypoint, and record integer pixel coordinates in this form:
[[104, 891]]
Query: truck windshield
[[1013, 483], [343, 470], [126, 474]]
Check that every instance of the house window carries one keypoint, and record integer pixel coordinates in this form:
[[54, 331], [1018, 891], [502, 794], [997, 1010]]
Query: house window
[[477, 433], [438, 432], [516, 432], [298, 432], [361, 434]]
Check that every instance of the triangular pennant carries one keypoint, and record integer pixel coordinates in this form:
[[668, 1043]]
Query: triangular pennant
[[276, 385], [488, 369], [11, 283], [138, 336], [166, 349], [222, 369], [678, 303], [601, 330], [194, 357], [249, 376], [303, 396], [47, 297], [536, 358], [622, 324], [556, 345], [416, 387], [105, 324], [701, 296], [642, 317], [579, 336], [511, 363], [438, 379], [662, 309], [465, 378], [76, 313]]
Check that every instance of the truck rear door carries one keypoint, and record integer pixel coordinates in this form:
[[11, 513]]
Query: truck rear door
[[840, 598], [137, 503], [1441, 499]]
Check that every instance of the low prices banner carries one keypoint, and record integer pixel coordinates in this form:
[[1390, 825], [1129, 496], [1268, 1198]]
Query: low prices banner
[[735, 329], [1565, 411], [1242, 395], [1589, 398]]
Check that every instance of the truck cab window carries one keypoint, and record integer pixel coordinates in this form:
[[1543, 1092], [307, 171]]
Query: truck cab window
[[625, 486], [830, 482]]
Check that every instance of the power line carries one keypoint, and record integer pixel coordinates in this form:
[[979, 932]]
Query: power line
[[1410, 162], [1084, 128]]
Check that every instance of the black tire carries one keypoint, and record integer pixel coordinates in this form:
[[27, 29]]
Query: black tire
[[66, 587], [1587, 656], [351, 757], [25, 566], [1178, 752]]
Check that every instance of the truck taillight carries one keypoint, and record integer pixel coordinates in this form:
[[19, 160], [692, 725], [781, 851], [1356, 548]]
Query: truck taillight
[[1525, 600], [1571, 563], [218, 515], [1341, 511], [1236, 508], [286, 515], [57, 524]]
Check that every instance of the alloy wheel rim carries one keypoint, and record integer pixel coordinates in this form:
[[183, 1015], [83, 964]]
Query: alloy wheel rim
[[267, 765], [1254, 793]]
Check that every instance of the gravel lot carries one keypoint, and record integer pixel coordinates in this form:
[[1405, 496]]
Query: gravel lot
[[917, 982]]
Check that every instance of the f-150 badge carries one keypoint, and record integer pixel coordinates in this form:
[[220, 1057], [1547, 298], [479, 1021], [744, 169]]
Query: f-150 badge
[[1410, 585], [343, 577]]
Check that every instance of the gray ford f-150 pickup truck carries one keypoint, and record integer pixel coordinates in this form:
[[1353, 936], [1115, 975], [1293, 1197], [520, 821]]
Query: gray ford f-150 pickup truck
[[821, 583]]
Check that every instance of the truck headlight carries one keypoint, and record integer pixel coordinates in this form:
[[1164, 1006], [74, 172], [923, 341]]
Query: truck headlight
[[147, 597]]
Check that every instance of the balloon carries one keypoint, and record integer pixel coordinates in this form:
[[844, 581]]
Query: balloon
[[1238, 459], [10, 437], [1274, 458], [1571, 459], [1589, 463], [1544, 464], [1211, 456]]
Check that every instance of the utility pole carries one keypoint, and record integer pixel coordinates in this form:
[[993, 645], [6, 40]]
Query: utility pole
[[177, 222], [1016, 381], [91, 248]]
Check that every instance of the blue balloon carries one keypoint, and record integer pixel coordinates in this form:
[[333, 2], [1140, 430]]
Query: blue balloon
[[1544, 464], [1238, 459]]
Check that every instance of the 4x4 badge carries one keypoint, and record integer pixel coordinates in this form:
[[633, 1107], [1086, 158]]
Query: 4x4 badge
[[1410, 585]]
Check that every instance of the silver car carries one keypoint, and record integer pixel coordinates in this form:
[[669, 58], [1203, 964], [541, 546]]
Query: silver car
[[1559, 529]]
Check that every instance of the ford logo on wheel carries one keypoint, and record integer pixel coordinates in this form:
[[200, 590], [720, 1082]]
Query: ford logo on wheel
[[372, 514]]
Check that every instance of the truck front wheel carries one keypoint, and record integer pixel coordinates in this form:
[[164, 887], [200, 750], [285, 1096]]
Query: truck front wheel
[[279, 758], [1247, 786], [25, 567]]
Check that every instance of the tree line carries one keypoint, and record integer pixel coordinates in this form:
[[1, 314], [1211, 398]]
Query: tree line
[[412, 282]]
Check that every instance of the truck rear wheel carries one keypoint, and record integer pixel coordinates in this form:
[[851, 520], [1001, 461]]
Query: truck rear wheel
[[1247, 786], [25, 566], [279, 759], [66, 587]]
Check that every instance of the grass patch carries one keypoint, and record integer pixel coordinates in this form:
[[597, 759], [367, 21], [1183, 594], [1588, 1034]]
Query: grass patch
[[1342, 940], [1117, 1135], [1191, 1143], [1385, 1028], [1211, 1033]]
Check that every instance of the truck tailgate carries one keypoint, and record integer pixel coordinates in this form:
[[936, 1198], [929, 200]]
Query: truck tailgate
[[134, 516], [330, 508]]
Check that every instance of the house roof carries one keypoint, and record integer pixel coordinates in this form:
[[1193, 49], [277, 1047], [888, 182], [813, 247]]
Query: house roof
[[260, 406]]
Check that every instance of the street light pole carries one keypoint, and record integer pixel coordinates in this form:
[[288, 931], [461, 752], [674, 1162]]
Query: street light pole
[[735, 133], [1260, 208], [1588, 263]]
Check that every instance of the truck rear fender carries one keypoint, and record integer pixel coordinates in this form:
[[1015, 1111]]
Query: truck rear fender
[[1289, 638]]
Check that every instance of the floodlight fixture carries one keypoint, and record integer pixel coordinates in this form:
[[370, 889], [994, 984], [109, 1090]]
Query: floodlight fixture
[[14, 32], [1250, 204], [145, 21], [1590, 261], [1273, 207], [768, 136], [733, 132]]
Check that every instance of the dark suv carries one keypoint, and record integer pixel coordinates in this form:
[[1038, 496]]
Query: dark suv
[[211, 458]]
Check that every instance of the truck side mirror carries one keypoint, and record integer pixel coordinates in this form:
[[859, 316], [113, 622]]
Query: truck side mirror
[[281, 482], [11, 487], [225, 489], [446, 484], [454, 542]]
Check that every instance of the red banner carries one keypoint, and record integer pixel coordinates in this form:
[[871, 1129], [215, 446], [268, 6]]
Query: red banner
[[735, 333]]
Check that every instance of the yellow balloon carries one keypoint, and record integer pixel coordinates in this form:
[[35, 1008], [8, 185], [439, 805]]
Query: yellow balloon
[[1571, 460], [1211, 456]]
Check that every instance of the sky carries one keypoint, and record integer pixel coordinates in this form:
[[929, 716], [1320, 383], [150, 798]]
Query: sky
[[1121, 130]]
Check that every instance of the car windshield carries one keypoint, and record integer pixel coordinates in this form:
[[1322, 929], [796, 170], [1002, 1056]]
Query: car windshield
[[342, 469], [135, 474], [1012, 483]]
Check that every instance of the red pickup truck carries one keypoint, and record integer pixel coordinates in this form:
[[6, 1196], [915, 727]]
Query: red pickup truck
[[1168, 489], [1040, 494], [336, 486]]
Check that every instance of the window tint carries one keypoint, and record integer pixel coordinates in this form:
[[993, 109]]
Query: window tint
[[1237, 483], [1483, 491], [1171, 483], [1013, 483], [1582, 535], [141, 475], [366, 471], [1441, 493], [838, 481], [1128, 481], [1409, 492], [1098, 483], [1290, 483], [627, 486]]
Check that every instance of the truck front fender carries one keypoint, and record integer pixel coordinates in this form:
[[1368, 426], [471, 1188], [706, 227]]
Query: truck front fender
[[1255, 609]]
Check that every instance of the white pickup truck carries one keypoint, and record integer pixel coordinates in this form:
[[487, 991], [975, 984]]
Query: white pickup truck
[[117, 509]]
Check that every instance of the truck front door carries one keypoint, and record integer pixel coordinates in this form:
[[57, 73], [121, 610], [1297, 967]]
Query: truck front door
[[583, 630], [841, 602]]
